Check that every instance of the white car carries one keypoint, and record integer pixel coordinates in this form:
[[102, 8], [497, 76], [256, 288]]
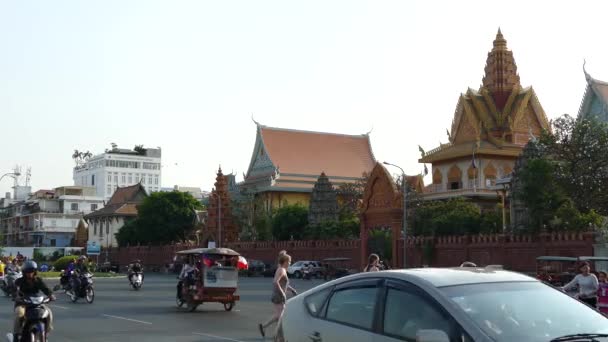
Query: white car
[[439, 305], [296, 270]]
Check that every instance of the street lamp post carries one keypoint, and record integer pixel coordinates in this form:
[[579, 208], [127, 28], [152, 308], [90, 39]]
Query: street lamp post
[[404, 190]]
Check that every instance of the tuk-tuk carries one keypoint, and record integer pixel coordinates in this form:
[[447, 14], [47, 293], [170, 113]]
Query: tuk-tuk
[[555, 270], [335, 268], [214, 278]]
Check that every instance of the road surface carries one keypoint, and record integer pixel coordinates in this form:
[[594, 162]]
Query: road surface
[[121, 314]]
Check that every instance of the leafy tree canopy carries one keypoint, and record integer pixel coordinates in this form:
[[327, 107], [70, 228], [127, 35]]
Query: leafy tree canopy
[[163, 217]]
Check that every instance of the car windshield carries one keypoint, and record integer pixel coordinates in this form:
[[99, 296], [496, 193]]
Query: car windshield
[[525, 311]]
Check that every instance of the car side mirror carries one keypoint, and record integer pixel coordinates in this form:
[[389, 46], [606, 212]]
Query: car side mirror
[[431, 335]]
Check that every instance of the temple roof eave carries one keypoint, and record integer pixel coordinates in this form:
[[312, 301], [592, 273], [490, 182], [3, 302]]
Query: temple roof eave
[[465, 150]]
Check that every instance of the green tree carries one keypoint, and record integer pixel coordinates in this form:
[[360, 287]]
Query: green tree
[[541, 193], [453, 217], [163, 217], [578, 149], [289, 222]]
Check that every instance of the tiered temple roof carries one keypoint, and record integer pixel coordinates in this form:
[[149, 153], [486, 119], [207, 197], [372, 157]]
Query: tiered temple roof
[[499, 118], [291, 160], [123, 202]]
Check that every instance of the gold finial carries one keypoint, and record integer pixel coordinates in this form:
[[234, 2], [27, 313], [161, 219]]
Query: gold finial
[[500, 43]]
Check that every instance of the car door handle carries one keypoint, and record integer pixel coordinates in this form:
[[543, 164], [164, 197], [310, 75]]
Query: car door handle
[[315, 337]]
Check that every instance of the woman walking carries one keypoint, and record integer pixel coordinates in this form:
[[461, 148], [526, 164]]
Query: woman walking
[[372, 264], [588, 285], [602, 293], [280, 285]]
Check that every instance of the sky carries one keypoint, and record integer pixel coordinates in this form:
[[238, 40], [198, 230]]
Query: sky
[[189, 75]]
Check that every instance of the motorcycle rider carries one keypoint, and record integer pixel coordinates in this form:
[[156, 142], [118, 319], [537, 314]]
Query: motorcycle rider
[[80, 269], [134, 268], [67, 274], [187, 269], [12, 268], [29, 285]]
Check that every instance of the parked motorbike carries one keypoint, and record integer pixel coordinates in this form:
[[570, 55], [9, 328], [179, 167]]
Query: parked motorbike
[[85, 289], [137, 280], [8, 285], [36, 319]]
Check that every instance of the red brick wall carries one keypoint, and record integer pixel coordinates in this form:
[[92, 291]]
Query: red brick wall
[[513, 252]]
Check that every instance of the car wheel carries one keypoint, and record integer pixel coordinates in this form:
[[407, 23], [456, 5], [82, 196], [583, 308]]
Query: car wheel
[[297, 274]]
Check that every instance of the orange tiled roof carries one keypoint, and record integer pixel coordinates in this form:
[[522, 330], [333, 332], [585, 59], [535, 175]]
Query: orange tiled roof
[[310, 153]]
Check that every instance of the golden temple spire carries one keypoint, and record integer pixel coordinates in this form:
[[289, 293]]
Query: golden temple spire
[[500, 71]]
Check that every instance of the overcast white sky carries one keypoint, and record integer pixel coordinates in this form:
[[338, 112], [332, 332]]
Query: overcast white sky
[[187, 75]]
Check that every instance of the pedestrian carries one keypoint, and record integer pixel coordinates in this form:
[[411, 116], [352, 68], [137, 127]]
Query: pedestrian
[[587, 283], [372, 263], [280, 285], [602, 293]]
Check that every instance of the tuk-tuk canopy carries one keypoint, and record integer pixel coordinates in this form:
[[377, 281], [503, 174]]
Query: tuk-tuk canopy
[[556, 258], [215, 251], [593, 258]]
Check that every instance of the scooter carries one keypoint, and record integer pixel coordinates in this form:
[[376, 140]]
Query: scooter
[[85, 291], [8, 284], [137, 280], [36, 319]]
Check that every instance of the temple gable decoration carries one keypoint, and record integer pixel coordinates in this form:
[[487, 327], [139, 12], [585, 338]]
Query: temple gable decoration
[[595, 101]]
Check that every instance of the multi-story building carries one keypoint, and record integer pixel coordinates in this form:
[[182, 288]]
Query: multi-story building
[[48, 217], [120, 168]]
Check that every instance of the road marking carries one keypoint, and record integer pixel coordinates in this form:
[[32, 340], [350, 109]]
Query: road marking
[[59, 306], [218, 337], [128, 319]]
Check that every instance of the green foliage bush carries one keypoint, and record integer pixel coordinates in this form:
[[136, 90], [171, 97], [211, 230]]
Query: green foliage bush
[[63, 262]]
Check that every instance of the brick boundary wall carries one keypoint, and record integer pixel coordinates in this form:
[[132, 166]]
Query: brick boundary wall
[[514, 252]]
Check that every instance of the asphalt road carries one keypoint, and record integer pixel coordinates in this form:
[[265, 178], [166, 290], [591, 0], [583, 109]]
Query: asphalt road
[[121, 314]]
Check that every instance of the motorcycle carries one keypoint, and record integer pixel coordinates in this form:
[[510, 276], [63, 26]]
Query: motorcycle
[[85, 290], [8, 285], [36, 319], [137, 280]]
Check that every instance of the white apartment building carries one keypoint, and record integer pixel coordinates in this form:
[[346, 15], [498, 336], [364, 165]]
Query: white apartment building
[[120, 168]]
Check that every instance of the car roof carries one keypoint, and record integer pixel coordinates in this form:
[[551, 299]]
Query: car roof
[[441, 277]]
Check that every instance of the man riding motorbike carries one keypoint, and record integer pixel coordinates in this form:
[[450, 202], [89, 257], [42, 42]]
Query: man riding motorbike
[[12, 272], [66, 275], [134, 268], [185, 276], [29, 285], [80, 269]]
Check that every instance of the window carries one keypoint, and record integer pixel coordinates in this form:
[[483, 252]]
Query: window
[[53, 223], [109, 189], [155, 180], [108, 228], [130, 178], [406, 313], [74, 206], [94, 228], [115, 177], [93, 207], [100, 229], [143, 179], [150, 179], [353, 306], [315, 302], [124, 178], [92, 179], [53, 242], [110, 177]]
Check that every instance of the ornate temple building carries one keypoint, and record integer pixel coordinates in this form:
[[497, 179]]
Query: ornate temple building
[[220, 227], [595, 100], [286, 163], [490, 128]]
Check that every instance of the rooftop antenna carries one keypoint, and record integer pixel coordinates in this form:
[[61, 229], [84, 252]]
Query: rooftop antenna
[[28, 176]]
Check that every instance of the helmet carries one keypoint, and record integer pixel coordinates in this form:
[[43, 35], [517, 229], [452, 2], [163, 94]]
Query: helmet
[[82, 258], [30, 266]]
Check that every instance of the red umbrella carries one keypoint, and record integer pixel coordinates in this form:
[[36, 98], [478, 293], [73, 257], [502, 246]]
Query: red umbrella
[[242, 263]]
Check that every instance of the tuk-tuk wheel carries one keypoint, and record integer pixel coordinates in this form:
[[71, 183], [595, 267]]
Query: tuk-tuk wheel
[[228, 306], [192, 307], [179, 302]]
